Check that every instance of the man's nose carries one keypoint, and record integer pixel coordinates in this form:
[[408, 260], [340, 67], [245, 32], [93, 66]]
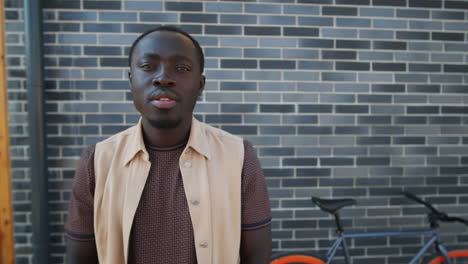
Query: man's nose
[[163, 79]]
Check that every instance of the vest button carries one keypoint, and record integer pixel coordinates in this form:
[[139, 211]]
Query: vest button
[[195, 202], [204, 244], [187, 150], [187, 164]]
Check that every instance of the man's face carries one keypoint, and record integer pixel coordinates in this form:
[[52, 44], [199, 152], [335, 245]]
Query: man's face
[[165, 78]]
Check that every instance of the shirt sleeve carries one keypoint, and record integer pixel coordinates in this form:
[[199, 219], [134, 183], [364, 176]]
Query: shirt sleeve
[[80, 218], [256, 212]]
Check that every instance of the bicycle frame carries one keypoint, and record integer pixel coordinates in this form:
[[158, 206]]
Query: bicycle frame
[[435, 239]]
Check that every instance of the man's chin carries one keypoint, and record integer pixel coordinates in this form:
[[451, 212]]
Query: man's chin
[[164, 124]]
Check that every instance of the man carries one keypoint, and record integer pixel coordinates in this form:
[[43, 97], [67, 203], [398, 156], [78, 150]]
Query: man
[[170, 189]]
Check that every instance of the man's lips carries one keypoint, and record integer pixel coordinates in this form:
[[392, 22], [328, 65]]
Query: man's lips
[[163, 102]]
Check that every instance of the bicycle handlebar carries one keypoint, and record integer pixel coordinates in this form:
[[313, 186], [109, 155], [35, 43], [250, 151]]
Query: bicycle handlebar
[[439, 215]]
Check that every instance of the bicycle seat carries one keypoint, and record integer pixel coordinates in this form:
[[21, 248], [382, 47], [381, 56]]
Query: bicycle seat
[[332, 205]]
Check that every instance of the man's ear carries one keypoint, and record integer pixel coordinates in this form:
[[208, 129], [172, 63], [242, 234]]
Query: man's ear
[[202, 85]]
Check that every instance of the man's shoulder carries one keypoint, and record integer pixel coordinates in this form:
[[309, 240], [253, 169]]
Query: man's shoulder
[[116, 139], [219, 133]]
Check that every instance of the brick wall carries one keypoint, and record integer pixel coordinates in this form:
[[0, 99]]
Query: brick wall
[[342, 98]]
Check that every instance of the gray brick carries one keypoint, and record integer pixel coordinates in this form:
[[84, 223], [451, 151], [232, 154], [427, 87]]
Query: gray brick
[[303, 54], [55, 4], [337, 98], [277, 130], [262, 119], [117, 16], [315, 65], [94, 4], [99, 50], [389, 23], [262, 53], [353, 22], [339, 11], [354, 66], [223, 7], [351, 108], [223, 96], [353, 44], [374, 55], [408, 35], [241, 130], [447, 36], [77, 39], [411, 56], [413, 13], [198, 18], [300, 31], [223, 52], [338, 33], [117, 107], [224, 75], [142, 5], [336, 119], [455, 15], [444, 57], [276, 86], [262, 8], [456, 4], [301, 76], [238, 19], [299, 119], [262, 31], [392, 45], [300, 97], [316, 43], [338, 76], [301, 9], [239, 86], [455, 26], [240, 41], [78, 16], [239, 108], [277, 64], [315, 21], [444, 78], [376, 34], [116, 39], [277, 20], [376, 12], [111, 73], [216, 119], [265, 108], [226, 63], [183, 6], [427, 25], [401, 77], [262, 75], [158, 17]]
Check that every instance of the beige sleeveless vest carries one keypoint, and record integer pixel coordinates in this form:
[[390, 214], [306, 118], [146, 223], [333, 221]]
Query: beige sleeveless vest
[[211, 167]]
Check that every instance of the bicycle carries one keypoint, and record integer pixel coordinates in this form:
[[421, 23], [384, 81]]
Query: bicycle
[[332, 206]]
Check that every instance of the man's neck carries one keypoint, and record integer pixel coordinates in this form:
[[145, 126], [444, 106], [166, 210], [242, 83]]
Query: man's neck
[[165, 137]]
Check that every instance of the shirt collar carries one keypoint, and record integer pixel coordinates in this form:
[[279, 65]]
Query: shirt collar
[[198, 139], [136, 144]]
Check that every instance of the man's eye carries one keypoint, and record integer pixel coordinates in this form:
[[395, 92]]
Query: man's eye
[[182, 68], [146, 66]]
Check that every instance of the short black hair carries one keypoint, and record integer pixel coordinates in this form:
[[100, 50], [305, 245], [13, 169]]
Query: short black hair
[[201, 57]]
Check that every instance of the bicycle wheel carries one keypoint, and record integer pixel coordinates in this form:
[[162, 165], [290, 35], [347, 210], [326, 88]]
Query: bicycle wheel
[[456, 257], [296, 258]]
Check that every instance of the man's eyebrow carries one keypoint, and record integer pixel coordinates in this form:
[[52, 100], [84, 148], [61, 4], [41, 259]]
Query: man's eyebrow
[[176, 56]]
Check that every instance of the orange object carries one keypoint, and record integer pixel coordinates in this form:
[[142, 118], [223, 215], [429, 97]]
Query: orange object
[[460, 254], [7, 250], [297, 258]]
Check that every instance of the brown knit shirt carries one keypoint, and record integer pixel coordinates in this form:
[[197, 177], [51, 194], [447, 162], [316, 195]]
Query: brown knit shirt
[[162, 229]]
